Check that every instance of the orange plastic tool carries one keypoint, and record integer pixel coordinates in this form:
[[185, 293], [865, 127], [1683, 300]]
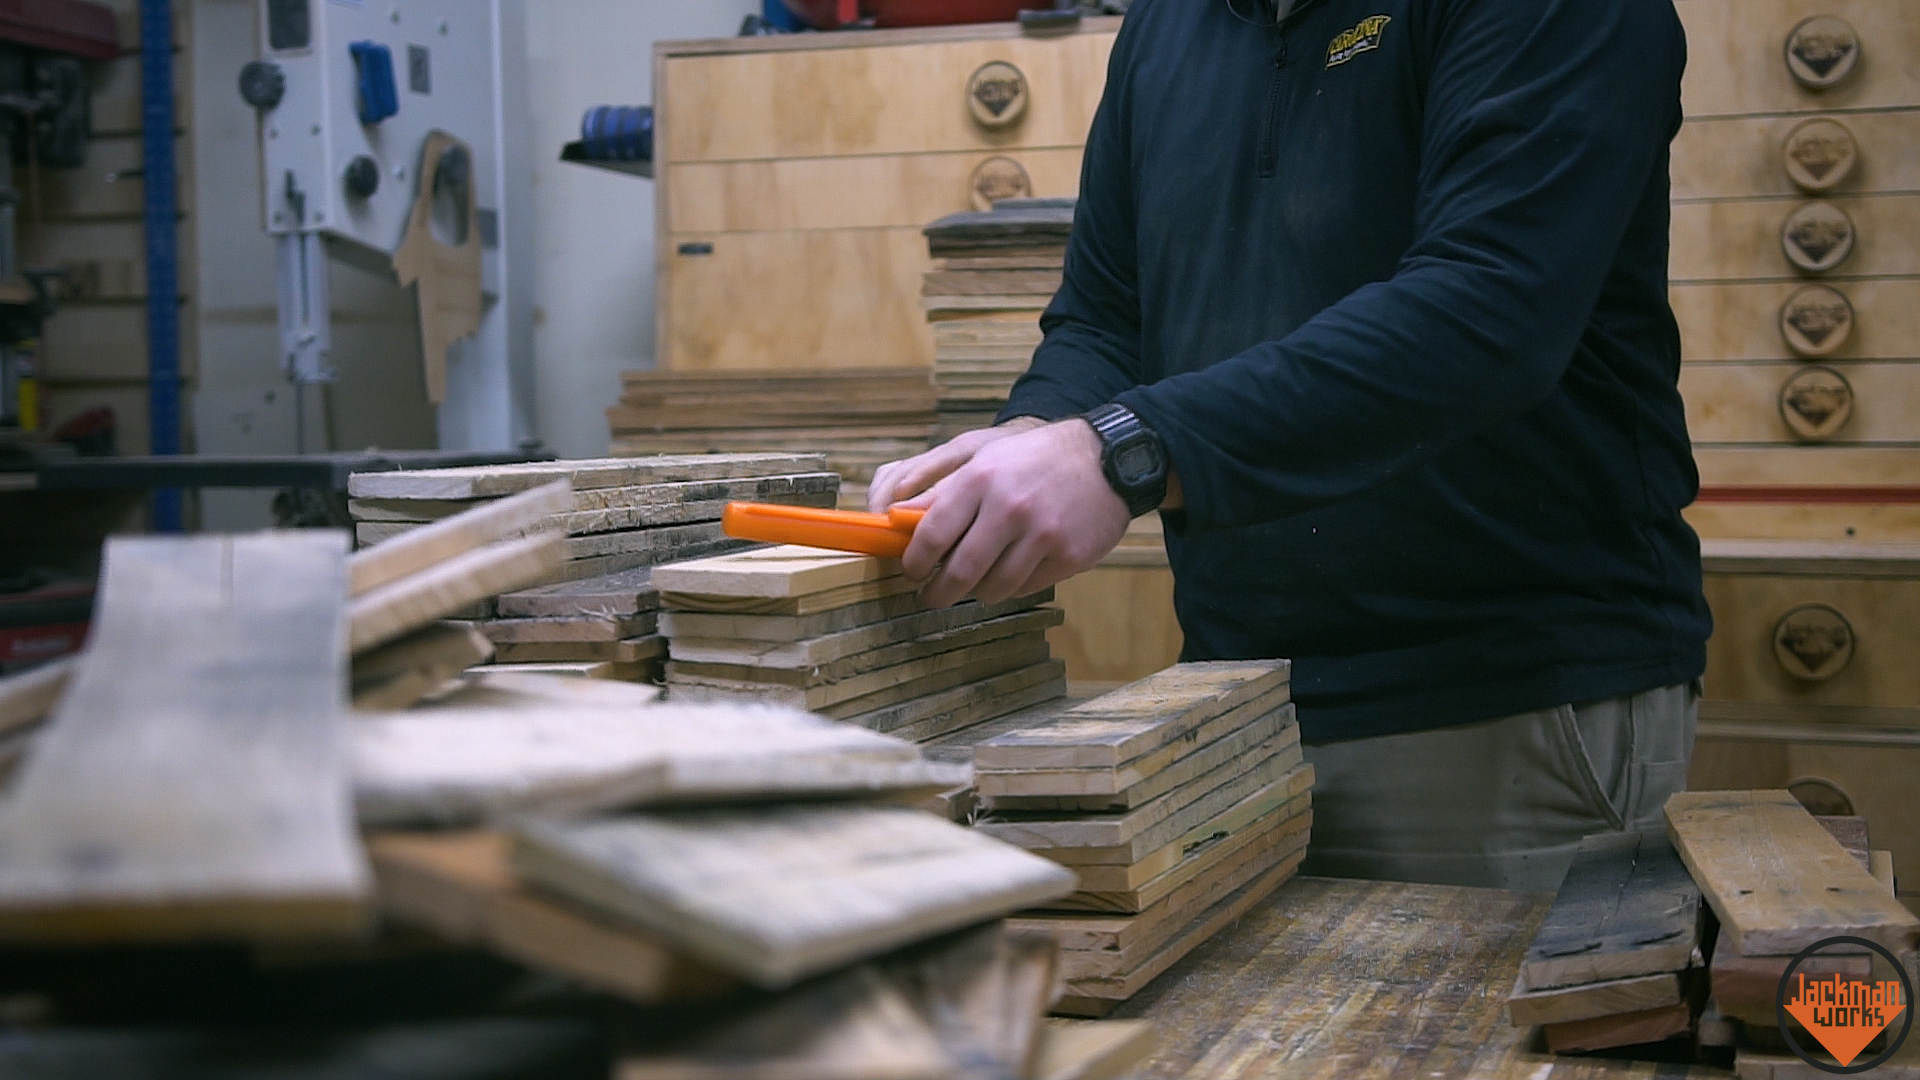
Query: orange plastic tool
[[885, 535]]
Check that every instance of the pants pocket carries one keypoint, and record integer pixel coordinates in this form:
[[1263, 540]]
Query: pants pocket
[[1581, 773]]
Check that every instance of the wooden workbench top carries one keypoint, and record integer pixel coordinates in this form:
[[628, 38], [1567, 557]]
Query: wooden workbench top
[[1337, 978]]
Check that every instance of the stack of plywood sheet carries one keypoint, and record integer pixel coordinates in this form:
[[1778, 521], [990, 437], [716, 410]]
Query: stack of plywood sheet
[[859, 418], [993, 273], [620, 516], [1180, 801], [1781, 881], [1618, 958], [845, 636]]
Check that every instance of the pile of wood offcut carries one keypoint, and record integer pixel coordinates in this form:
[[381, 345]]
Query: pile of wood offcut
[[594, 613], [846, 636], [1180, 801], [860, 418], [717, 890], [994, 272]]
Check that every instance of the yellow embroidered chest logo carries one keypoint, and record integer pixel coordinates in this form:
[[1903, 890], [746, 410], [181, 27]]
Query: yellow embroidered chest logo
[[1351, 43]]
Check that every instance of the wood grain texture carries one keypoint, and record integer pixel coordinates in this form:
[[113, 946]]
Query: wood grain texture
[[1627, 907], [29, 697], [459, 886], [781, 572], [1742, 665], [192, 782], [1133, 889], [462, 765], [875, 689], [1867, 522], [930, 644], [1739, 239], [1741, 155], [1830, 466], [522, 686], [640, 496], [1739, 402], [833, 611], [1741, 321], [1777, 881], [1137, 719], [1622, 1029], [1331, 978], [1611, 997], [424, 546], [782, 893], [633, 650], [574, 628], [1140, 773], [1277, 727], [1744, 987], [941, 712], [1120, 624], [827, 648], [1091, 1049], [626, 592], [483, 481], [401, 607], [1736, 66]]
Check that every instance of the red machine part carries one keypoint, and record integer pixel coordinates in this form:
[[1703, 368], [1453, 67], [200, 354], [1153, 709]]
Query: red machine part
[[834, 14], [83, 29]]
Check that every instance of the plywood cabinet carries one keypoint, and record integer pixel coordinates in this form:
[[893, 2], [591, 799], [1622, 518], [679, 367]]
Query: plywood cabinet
[[795, 174]]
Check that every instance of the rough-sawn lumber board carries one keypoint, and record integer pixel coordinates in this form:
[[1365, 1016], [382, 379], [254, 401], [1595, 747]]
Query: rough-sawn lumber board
[[1626, 907]]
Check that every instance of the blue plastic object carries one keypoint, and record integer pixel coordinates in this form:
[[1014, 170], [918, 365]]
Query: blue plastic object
[[617, 133], [379, 93], [780, 17], [163, 288]]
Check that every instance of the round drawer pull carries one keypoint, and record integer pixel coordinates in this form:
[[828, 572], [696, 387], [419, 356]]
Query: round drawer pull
[[1816, 402], [997, 94], [1822, 51], [1813, 642], [1816, 320], [1819, 154], [1821, 796], [1817, 237], [998, 178]]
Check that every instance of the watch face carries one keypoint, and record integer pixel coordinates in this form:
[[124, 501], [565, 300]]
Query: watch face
[[1136, 462]]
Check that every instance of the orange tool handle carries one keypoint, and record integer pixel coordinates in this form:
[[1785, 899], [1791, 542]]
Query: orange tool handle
[[885, 535]]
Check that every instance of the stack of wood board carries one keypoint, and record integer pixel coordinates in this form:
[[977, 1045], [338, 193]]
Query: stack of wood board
[[845, 636], [1779, 882], [620, 515], [993, 273], [859, 418], [1618, 956], [1180, 801]]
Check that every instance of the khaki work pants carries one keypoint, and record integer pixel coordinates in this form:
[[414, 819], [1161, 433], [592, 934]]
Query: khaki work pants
[[1502, 803]]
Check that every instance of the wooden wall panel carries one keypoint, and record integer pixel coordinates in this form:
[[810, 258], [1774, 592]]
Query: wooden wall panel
[[101, 342], [1836, 466], [1864, 522], [1735, 56], [1742, 156], [1740, 656], [1739, 402], [1740, 239], [1742, 321], [892, 191], [1120, 624], [819, 299], [875, 100]]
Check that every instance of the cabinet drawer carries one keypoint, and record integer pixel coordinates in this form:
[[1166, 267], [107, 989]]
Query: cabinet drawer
[[1742, 321], [819, 298], [875, 99], [1745, 156], [1786, 639], [1739, 240], [889, 191], [1788, 402], [1736, 56], [1833, 466]]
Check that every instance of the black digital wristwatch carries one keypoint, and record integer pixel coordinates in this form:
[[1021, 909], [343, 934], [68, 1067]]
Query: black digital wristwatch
[[1131, 456]]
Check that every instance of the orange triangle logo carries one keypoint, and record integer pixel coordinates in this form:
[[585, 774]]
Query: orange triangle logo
[[1844, 1014]]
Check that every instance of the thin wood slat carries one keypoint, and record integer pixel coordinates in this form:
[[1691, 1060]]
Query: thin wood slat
[[1092, 1049], [933, 643], [1621, 1029], [782, 893], [1209, 756], [1586, 1002], [459, 886], [1119, 783], [1137, 719], [1775, 878], [192, 782], [781, 572], [806, 617], [401, 672], [827, 648], [419, 548], [482, 481], [875, 689], [639, 496], [937, 713], [1626, 907], [575, 628], [1133, 889], [464, 765], [400, 607], [627, 592]]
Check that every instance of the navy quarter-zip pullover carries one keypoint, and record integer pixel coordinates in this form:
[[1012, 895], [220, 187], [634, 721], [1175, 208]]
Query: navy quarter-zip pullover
[[1388, 277]]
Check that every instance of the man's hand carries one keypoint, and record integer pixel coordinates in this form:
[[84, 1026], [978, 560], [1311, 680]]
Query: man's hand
[[1009, 514], [898, 480]]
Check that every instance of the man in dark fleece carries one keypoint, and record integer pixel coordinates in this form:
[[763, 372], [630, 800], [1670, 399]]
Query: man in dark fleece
[[1368, 298]]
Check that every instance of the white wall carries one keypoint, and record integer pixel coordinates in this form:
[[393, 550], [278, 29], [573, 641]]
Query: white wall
[[593, 242]]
